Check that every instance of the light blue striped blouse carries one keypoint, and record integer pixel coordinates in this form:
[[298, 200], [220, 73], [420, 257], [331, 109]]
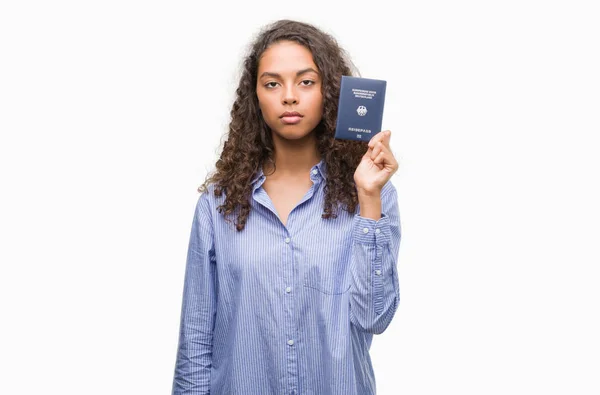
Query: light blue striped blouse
[[291, 309]]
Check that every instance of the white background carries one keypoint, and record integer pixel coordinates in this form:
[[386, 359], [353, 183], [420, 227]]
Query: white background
[[112, 113]]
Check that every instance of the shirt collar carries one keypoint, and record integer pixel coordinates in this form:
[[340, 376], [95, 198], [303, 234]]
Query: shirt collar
[[321, 167]]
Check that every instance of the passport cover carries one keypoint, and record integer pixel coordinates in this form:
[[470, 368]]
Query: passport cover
[[360, 108]]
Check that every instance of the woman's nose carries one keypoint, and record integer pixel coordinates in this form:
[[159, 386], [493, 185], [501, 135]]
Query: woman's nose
[[289, 96]]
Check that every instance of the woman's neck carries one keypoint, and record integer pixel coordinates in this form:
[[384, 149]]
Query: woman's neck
[[293, 158]]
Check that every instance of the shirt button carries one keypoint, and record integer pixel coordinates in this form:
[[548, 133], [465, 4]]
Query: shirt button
[[288, 289], [291, 342], [314, 172], [365, 230], [287, 239], [377, 231], [293, 392], [378, 272]]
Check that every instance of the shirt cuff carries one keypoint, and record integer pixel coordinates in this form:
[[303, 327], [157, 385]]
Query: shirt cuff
[[370, 231]]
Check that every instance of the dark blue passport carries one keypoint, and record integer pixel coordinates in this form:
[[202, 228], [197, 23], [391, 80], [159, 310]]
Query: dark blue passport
[[360, 108]]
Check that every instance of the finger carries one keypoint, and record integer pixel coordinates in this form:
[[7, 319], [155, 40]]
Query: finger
[[387, 157], [387, 135], [387, 161], [380, 159], [378, 137], [379, 147], [367, 154], [375, 139], [375, 151]]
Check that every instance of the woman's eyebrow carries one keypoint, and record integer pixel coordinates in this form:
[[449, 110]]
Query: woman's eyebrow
[[300, 72]]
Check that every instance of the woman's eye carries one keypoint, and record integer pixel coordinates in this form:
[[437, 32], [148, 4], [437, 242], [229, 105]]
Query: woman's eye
[[308, 83]]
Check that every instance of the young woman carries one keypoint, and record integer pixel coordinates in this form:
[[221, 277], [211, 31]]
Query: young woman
[[291, 265]]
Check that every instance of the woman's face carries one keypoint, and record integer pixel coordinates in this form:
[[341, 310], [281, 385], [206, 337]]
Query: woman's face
[[289, 81]]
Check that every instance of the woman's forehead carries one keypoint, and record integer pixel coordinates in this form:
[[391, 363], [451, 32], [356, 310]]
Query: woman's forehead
[[286, 58]]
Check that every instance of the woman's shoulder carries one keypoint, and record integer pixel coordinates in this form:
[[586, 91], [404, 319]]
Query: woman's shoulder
[[208, 197], [206, 204]]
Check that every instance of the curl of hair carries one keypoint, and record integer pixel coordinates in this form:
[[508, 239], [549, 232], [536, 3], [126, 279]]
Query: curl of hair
[[249, 144]]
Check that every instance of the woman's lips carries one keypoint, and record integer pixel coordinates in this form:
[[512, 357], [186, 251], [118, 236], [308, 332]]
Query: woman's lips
[[290, 120]]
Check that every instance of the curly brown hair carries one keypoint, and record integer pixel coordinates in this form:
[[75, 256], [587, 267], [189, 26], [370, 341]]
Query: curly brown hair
[[249, 143]]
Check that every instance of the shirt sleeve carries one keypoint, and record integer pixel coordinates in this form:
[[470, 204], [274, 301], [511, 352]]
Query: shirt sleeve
[[375, 290], [194, 352]]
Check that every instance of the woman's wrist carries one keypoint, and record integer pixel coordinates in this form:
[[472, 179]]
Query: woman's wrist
[[370, 204]]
